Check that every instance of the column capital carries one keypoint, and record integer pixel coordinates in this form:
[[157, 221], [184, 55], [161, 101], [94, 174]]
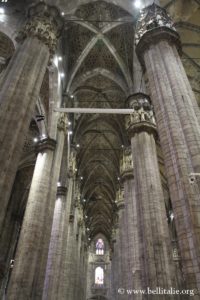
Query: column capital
[[62, 122], [45, 144], [142, 119], [45, 23], [61, 191], [154, 25]]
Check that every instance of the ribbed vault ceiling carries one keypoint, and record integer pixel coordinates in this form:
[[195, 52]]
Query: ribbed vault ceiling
[[99, 47], [101, 72]]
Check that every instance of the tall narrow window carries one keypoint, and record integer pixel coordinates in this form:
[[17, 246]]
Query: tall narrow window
[[99, 276], [100, 247]]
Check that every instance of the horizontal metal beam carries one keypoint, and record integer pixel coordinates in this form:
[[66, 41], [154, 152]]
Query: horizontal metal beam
[[120, 111]]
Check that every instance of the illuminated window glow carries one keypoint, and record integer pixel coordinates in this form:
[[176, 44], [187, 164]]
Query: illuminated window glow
[[99, 276]]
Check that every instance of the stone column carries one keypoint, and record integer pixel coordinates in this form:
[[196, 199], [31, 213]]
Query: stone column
[[54, 263], [26, 261], [114, 261], [28, 274], [132, 241], [60, 220], [20, 87], [120, 242], [67, 238], [67, 280], [177, 116], [78, 287], [157, 268]]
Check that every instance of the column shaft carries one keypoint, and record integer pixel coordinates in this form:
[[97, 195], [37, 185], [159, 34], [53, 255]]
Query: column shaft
[[67, 250], [54, 262], [154, 255], [179, 162], [21, 86], [120, 245], [26, 269], [132, 237], [28, 275], [177, 116], [157, 269]]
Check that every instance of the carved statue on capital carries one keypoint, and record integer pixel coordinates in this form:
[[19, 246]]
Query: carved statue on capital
[[126, 164], [62, 122], [120, 195], [45, 23], [143, 110], [72, 164], [80, 223], [153, 25], [142, 117], [151, 17], [120, 198]]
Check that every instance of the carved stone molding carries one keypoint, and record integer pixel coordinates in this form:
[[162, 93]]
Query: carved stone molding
[[45, 23], [120, 204], [154, 25], [142, 119], [46, 144]]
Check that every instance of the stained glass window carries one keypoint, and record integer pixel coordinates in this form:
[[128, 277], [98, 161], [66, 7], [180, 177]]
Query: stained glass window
[[100, 247]]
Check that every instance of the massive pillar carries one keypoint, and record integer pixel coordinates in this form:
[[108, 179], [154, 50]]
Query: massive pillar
[[54, 263], [114, 260], [28, 274], [67, 243], [20, 87], [120, 242], [177, 116], [132, 242], [79, 288], [66, 288], [60, 224], [156, 262]]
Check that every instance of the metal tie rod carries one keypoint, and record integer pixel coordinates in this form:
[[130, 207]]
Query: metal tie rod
[[120, 111]]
